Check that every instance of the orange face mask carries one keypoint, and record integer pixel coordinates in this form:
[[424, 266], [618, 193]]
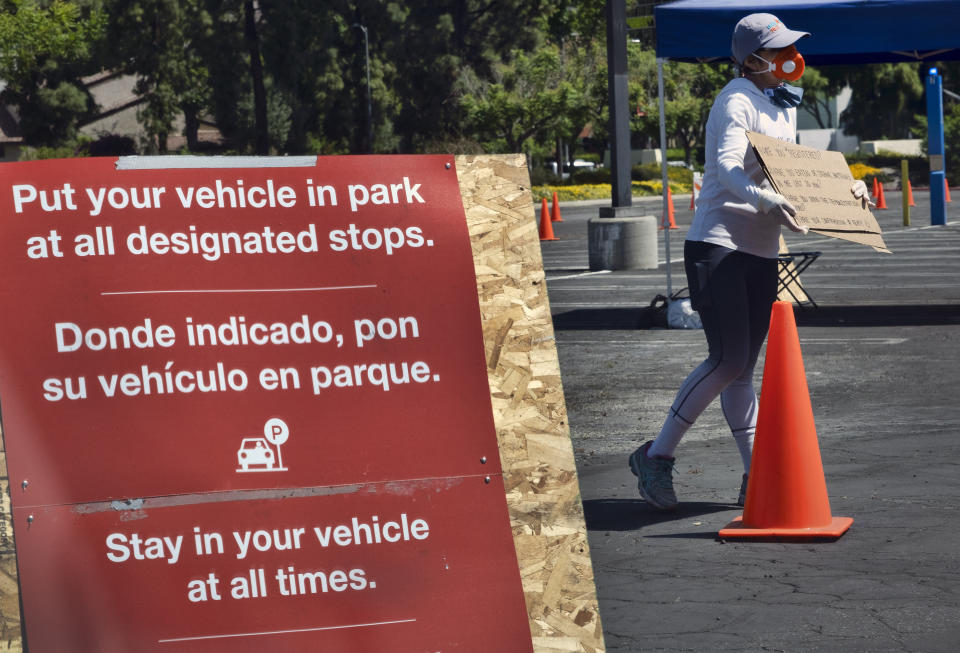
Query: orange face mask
[[787, 65]]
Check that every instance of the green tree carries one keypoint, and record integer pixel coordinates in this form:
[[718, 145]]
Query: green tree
[[290, 76], [45, 50], [160, 41], [820, 85], [314, 55], [951, 117], [443, 47], [530, 96], [885, 101], [689, 91], [250, 108]]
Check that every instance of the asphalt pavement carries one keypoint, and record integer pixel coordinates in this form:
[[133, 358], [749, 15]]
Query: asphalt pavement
[[880, 353]]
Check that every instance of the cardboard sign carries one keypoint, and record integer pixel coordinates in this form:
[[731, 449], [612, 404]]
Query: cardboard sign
[[817, 183], [307, 328]]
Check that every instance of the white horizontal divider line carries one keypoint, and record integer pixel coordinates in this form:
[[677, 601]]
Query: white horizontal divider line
[[283, 632], [233, 290]]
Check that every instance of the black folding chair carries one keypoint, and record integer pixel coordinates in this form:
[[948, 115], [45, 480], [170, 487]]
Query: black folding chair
[[791, 265]]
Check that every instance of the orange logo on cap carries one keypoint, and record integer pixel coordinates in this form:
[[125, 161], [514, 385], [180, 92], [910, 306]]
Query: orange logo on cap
[[774, 26]]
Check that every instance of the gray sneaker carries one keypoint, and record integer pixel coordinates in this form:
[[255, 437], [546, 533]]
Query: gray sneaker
[[654, 478], [742, 499]]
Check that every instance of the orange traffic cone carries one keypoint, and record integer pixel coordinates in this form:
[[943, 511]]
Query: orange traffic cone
[[881, 200], [946, 190], [546, 228], [910, 201], [787, 492], [670, 210], [555, 211], [876, 188]]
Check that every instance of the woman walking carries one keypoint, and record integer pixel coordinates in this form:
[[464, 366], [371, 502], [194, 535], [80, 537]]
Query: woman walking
[[731, 249]]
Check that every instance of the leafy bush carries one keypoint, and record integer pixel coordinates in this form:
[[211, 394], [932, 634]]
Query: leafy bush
[[653, 172], [112, 145], [77, 147], [887, 167], [542, 176], [572, 193], [595, 176], [569, 193], [863, 171], [868, 173]]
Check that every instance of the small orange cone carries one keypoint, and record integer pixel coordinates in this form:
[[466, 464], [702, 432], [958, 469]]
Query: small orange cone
[[881, 200], [946, 190], [876, 188], [546, 228], [555, 210], [787, 493], [910, 201], [670, 210]]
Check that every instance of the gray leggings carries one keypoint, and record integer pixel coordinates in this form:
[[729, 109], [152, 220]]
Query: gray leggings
[[733, 292]]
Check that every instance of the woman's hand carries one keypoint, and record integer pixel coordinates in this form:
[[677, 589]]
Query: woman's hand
[[780, 208], [859, 190]]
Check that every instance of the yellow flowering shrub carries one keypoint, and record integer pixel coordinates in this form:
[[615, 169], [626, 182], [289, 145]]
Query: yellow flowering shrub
[[602, 191], [861, 170]]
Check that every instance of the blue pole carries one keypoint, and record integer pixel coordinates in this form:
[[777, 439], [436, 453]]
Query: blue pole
[[935, 148]]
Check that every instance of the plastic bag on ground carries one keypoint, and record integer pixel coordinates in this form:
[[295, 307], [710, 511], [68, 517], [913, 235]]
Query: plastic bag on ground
[[680, 315]]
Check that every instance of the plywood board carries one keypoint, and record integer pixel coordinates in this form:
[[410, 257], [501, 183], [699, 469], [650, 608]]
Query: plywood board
[[540, 475], [539, 472]]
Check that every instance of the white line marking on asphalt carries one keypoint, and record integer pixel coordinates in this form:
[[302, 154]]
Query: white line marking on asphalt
[[699, 343], [577, 276], [626, 286], [833, 274], [805, 244], [862, 341], [604, 304], [634, 343], [874, 286]]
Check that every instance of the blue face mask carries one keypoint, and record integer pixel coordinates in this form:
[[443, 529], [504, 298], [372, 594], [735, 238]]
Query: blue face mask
[[784, 96]]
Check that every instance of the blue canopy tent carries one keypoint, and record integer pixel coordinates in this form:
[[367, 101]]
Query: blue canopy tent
[[841, 32]]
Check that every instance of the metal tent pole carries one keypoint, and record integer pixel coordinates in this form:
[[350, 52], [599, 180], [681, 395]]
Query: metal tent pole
[[663, 161]]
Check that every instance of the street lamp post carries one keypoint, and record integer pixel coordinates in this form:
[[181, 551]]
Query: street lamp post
[[366, 54], [620, 238]]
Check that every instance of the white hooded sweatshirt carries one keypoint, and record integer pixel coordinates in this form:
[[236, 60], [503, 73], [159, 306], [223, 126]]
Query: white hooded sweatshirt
[[732, 178]]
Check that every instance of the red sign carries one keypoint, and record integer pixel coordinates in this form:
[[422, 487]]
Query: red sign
[[374, 569], [186, 331]]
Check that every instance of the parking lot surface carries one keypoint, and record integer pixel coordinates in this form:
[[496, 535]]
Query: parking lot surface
[[880, 354]]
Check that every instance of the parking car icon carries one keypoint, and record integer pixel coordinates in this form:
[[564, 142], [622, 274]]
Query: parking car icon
[[255, 452], [257, 455]]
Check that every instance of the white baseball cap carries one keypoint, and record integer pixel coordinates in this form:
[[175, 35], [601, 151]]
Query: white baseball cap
[[758, 31]]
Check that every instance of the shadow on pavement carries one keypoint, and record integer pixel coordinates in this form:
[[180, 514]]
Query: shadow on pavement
[[648, 317], [634, 514], [617, 319], [877, 315]]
